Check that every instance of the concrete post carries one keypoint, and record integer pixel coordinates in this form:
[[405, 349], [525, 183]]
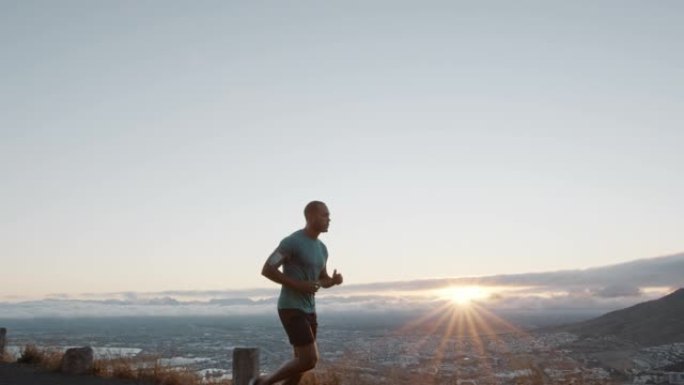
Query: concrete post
[[245, 365], [3, 336]]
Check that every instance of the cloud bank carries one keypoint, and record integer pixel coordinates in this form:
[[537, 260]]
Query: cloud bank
[[599, 289]]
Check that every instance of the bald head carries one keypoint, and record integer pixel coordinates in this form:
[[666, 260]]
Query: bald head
[[312, 208], [317, 217]]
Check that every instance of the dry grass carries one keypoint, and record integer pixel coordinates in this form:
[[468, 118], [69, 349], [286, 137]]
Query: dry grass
[[46, 358], [144, 369], [123, 368], [321, 378], [147, 369], [6, 357]]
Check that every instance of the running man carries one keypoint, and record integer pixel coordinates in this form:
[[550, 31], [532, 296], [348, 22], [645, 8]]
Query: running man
[[303, 258]]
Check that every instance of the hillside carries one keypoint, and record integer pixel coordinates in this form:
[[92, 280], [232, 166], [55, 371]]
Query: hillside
[[649, 323]]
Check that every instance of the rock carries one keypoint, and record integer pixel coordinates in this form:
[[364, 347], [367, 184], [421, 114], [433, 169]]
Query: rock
[[77, 361]]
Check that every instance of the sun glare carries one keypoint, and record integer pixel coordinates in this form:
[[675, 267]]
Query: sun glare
[[464, 295]]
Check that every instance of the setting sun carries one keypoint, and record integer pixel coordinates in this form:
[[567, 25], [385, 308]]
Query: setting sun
[[463, 295]]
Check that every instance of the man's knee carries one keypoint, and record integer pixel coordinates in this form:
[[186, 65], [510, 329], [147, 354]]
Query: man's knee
[[308, 356], [309, 362]]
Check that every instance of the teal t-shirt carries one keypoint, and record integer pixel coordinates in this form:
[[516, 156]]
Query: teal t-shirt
[[305, 260]]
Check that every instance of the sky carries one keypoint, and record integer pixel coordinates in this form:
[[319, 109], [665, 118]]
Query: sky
[[152, 146]]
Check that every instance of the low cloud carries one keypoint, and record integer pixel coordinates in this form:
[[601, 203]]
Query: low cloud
[[599, 289], [615, 291], [625, 279]]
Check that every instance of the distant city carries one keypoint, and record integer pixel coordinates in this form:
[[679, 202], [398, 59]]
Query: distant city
[[394, 349]]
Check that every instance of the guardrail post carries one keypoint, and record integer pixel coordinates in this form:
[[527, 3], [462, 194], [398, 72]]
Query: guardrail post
[[245, 365], [3, 339]]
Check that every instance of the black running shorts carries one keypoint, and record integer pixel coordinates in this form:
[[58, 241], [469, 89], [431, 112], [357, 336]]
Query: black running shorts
[[300, 327]]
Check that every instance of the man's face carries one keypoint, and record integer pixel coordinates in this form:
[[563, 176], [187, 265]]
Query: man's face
[[320, 219]]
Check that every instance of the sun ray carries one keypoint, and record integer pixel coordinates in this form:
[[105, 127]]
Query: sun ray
[[452, 328], [480, 327], [439, 354], [422, 322]]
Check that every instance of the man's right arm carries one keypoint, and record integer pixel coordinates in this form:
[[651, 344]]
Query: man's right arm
[[271, 271]]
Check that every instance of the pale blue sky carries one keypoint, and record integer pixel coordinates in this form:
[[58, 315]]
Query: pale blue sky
[[162, 145]]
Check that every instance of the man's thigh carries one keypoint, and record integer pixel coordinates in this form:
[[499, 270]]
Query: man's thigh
[[307, 353]]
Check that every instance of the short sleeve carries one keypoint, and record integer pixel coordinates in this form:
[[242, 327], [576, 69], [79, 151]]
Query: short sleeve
[[286, 247]]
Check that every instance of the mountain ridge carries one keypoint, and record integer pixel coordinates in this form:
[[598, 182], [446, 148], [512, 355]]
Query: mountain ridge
[[649, 323]]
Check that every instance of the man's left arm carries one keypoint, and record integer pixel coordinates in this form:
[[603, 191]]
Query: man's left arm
[[328, 281]]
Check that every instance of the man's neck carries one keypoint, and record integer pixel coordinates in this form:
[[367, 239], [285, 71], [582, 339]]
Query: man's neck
[[311, 233]]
